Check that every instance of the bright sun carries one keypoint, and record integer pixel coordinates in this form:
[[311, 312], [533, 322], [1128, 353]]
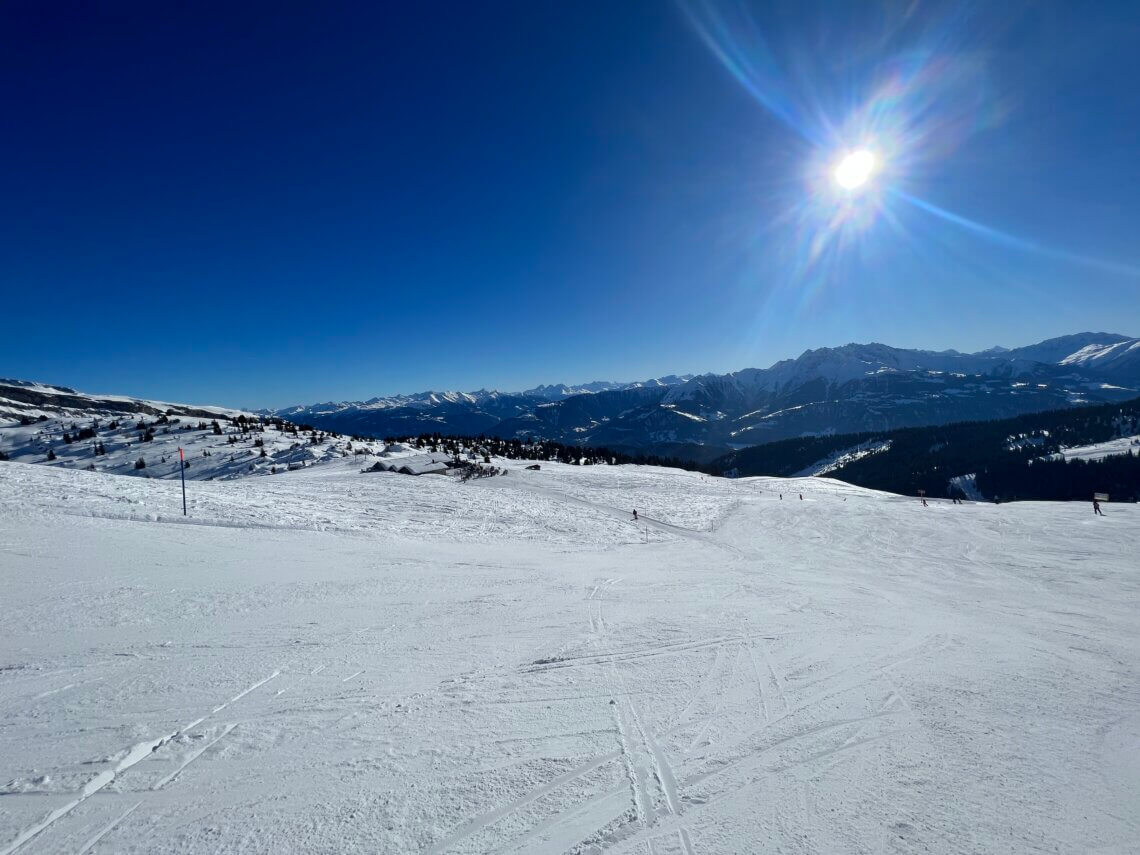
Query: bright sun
[[855, 169]]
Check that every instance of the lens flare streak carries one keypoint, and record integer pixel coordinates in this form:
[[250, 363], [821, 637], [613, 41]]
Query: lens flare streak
[[1012, 241]]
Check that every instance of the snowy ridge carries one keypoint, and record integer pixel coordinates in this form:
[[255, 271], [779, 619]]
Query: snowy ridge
[[1059, 350], [1122, 355], [19, 398]]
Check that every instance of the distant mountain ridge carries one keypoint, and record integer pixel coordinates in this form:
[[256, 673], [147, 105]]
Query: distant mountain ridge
[[552, 392], [853, 388], [451, 412], [846, 389]]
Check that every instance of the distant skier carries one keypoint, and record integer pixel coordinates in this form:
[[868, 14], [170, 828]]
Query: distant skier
[[801, 497], [635, 514], [1096, 507], [924, 503]]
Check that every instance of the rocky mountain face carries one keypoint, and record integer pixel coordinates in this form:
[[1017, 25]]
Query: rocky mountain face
[[848, 389]]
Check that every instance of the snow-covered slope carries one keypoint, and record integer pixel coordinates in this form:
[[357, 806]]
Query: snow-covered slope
[[843, 457], [25, 398], [1121, 359], [1101, 450], [326, 661], [1059, 350], [231, 450], [60, 427]]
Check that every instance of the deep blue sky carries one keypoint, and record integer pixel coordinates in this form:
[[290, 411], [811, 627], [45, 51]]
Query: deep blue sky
[[270, 203]]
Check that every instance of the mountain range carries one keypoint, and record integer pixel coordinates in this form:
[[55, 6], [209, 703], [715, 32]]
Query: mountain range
[[847, 389]]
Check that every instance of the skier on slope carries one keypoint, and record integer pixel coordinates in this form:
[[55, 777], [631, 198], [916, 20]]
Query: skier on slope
[[635, 514], [1096, 507]]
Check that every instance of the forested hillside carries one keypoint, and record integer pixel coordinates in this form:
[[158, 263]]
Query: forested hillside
[[1006, 459]]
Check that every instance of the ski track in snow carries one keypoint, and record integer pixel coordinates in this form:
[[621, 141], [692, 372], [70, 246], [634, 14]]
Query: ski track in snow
[[132, 756], [89, 845], [515, 666]]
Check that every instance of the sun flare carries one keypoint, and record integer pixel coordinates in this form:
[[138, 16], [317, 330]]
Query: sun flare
[[855, 169]]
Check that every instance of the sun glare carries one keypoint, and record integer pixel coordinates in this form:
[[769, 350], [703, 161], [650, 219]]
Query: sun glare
[[855, 169]]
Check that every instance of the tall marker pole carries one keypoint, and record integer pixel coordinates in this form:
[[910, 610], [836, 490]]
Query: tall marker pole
[[182, 470]]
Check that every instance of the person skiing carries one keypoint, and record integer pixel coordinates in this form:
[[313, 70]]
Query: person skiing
[[1096, 507], [635, 514]]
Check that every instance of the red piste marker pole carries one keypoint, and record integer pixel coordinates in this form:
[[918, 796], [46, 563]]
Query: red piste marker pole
[[182, 470]]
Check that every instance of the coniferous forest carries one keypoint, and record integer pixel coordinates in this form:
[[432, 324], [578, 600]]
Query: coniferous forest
[[1010, 459]]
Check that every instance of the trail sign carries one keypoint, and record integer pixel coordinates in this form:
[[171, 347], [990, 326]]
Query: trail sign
[[1100, 497]]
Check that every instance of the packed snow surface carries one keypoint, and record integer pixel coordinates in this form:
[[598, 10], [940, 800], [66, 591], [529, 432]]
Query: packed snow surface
[[330, 661], [1101, 450]]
